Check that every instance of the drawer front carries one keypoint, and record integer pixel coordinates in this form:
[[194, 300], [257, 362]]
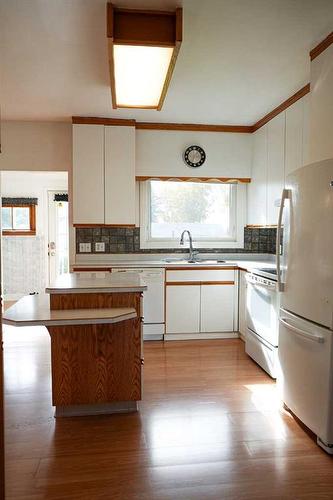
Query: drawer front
[[198, 275], [264, 354]]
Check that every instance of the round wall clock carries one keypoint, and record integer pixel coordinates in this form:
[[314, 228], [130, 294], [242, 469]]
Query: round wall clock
[[194, 156]]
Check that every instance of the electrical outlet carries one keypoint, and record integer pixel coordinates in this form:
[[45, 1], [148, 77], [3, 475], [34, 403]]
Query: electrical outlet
[[85, 247], [100, 247]]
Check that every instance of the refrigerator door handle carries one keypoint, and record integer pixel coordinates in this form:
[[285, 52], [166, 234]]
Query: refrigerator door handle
[[302, 333], [286, 194]]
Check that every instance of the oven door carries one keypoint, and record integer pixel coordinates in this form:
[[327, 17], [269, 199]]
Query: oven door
[[262, 306]]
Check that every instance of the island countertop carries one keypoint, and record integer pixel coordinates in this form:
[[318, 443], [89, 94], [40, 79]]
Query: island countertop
[[34, 310], [111, 283]]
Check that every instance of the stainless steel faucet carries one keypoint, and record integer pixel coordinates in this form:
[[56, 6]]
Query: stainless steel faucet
[[192, 251]]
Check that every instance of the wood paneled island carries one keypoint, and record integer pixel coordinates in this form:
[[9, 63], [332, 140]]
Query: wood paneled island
[[96, 341]]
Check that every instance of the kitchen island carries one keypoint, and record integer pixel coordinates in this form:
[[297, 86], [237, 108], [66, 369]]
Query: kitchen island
[[96, 341]]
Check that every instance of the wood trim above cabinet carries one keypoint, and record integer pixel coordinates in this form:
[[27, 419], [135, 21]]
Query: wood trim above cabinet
[[243, 180], [95, 120], [282, 107], [88, 226], [194, 127], [92, 269], [197, 127], [323, 45], [259, 226]]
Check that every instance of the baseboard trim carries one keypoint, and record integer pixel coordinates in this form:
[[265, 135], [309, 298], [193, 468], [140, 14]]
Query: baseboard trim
[[156, 336], [201, 336], [96, 409]]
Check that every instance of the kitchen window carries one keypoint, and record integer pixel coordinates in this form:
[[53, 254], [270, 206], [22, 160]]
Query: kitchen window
[[213, 212], [18, 220]]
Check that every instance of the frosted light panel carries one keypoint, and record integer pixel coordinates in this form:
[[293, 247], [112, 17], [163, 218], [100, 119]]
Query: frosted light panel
[[140, 74]]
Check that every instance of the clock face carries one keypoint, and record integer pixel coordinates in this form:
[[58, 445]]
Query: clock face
[[194, 156]]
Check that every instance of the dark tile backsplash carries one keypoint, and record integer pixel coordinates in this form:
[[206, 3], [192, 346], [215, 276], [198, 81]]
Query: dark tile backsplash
[[127, 240]]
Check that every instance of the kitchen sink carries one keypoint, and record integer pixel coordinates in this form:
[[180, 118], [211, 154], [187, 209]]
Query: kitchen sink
[[195, 262]]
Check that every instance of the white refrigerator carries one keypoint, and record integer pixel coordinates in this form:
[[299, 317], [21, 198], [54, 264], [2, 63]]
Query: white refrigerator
[[305, 279]]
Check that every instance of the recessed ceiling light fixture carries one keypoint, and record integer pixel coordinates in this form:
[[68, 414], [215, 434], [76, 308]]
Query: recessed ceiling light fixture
[[143, 49]]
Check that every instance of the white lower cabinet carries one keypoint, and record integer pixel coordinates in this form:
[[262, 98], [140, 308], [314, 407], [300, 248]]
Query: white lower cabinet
[[217, 308], [198, 307], [183, 309]]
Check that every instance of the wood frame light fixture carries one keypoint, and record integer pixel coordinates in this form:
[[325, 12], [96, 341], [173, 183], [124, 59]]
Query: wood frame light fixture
[[143, 48]]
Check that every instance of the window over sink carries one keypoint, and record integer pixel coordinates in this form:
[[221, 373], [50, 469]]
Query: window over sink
[[213, 212]]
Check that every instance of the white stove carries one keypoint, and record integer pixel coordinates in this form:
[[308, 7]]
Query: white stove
[[262, 334]]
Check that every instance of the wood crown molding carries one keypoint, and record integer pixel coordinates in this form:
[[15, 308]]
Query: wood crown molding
[[88, 226], [282, 107], [200, 127], [323, 45], [195, 127], [95, 120]]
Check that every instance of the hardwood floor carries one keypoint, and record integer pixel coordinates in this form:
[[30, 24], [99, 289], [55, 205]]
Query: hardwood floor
[[210, 427]]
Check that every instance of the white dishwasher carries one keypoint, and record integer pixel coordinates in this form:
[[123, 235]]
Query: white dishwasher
[[153, 300]]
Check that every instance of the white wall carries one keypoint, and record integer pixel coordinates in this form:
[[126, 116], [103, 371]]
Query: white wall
[[321, 107], [25, 260], [160, 152], [36, 146], [47, 146]]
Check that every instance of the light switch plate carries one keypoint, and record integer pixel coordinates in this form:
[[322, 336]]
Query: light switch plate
[[100, 247], [85, 247]]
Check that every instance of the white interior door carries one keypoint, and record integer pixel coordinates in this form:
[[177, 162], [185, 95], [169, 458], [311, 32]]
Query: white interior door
[[58, 248]]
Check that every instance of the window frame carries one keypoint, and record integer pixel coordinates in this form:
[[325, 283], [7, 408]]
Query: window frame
[[237, 241], [32, 220]]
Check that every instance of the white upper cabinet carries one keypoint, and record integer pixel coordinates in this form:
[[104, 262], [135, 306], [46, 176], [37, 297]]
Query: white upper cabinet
[[103, 174], [275, 166], [294, 137], [297, 135], [321, 106], [119, 175], [88, 174], [257, 190], [306, 130], [279, 147]]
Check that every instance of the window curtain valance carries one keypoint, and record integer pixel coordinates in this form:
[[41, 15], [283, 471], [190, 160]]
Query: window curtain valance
[[17, 202], [61, 197]]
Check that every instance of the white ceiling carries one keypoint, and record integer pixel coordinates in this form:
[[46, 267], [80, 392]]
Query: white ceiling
[[238, 60]]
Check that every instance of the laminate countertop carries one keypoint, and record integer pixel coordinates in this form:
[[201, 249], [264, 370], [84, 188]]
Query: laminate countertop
[[111, 283], [34, 310], [169, 264]]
